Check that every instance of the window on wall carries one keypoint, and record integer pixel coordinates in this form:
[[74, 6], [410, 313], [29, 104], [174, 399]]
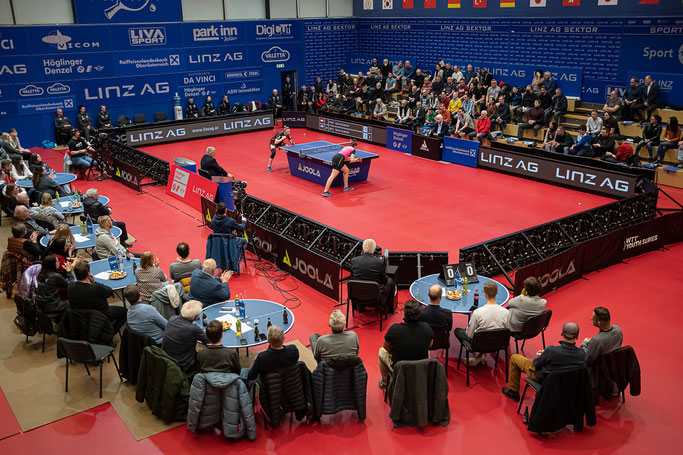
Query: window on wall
[[6, 16], [312, 8], [340, 8], [202, 10], [245, 9], [283, 9], [27, 12]]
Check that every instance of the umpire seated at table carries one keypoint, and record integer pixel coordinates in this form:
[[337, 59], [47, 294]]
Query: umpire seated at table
[[142, 317], [210, 165], [93, 208], [87, 294], [221, 223], [371, 267], [182, 334], [207, 288], [276, 357]]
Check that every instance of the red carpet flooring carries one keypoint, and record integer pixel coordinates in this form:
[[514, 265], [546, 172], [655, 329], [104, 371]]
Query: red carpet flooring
[[410, 204]]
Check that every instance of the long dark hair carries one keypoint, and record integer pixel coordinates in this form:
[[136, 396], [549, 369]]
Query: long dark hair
[[57, 246], [673, 125], [38, 172], [49, 267]]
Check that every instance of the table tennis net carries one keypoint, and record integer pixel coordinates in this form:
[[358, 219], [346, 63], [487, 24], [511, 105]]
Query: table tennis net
[[320, 149]]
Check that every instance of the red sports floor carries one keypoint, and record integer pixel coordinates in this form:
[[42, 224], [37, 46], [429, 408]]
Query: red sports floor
[[408, 204]]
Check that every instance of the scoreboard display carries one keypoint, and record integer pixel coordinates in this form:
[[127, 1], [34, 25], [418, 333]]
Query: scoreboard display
[[347, 128]]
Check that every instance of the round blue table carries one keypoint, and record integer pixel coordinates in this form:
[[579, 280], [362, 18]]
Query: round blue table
[[254, 309], [127, 265], [420, 288], [90, 243], [60, 178], [69, 210]]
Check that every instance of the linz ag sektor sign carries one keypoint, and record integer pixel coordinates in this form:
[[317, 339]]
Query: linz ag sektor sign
[[198, 129], [583, 178]]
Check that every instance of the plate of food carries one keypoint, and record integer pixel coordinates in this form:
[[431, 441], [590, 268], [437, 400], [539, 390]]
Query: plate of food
[[453, 295], [117, 275], [76, 205], [226, 325]]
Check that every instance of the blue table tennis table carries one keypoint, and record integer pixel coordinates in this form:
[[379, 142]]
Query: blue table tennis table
[[312, 161]]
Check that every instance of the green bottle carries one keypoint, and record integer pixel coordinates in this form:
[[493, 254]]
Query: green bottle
[[238, 328], [464, 286]]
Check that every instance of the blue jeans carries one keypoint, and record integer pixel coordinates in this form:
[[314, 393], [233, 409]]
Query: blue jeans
[[661, 150], [480, 136], [81, 161], [642, 144]]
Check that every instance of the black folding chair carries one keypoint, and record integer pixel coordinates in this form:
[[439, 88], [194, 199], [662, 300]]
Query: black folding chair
[[442, 340], [365, 294], [532, 327], [84, 352], [160, 116], [486, 342], [204, 173], [139, 119], [45, 224]]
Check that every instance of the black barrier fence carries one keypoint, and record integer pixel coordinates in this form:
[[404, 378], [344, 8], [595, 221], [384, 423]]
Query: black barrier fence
[[520, 249], [129, 165], [603, 251]]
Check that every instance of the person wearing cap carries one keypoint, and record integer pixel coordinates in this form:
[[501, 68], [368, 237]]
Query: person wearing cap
[[564, 356]]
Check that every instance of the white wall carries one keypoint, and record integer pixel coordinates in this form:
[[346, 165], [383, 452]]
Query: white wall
[[245, 9], [6, 13], [340, 8], [313, 8], [202, 10], [43, 12], [283, 9]]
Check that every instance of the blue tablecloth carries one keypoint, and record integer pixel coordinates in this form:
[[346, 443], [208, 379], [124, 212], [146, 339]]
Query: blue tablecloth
[[103, 264], [420, 288], [60, 178], [69, 210], [90, 243], [255, 309]]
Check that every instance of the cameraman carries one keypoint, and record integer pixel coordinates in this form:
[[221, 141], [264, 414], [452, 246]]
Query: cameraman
[[371, 267], [221, 223]]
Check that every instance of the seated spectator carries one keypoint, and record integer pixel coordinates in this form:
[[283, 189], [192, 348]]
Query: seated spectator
[[380, 110], [184, 266], [649, 100], [651, 135], [337, 343], [562, 141], [549, 136], [582, 146], [470, 74], [47, 212], [51, 293], [418, 117], [37, 161], [603, 143], [320, 102], [611, 124], [209, 289], [454, 104], [445, 113], [106, 245], [79, 149], [448, 88], [624, 151], [478, 95], [366, 100], [62, 128], [397, 69], [492, 92], [181, 336], [526, 305], [440, 128], [209, 109], [549, 83], [403, 113], [680, 154], [594, 124], [22, 214], [19, 170], [93, 208], [191, 110], [632, 96], [16, 143], [63, 251], [672, 134], [408, 70], [216, 358], [63, 231], [390, 86], [23, 244], [485, 77], [318, 85], [553, 358], [413, 97], [457, 74], [103, 118], [483, 128], [433, 314], [46, 183], [431, 101], [558, 106], [430, 119], [502, 116], [613, 105], [487, 317], [608, 338], [149, 276], [463, 124], [9, 198], [224, 105], [330, 89], [276, 357], [142, 317], [527, 102], [536, 118], [87, 294], [369, 266], [468, 105], [210, 165], [461, 89], [407, 340], [546, 100], [515, 99]]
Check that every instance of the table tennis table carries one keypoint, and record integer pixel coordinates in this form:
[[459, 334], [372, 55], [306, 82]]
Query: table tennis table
[[312, 161]]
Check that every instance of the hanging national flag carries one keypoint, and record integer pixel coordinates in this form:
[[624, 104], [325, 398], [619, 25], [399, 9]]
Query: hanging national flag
[[537, 3], [430, 3], [387, 4], [571, 2], [407, 4], [507, 3], [608, 2], [479, 4], [648, 2], [454, 3], [368, 4]]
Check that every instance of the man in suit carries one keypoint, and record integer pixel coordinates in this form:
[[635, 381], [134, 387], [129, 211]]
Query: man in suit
[[418, 118], [440, 128], [649, 100], [370, 267], [210, 165]]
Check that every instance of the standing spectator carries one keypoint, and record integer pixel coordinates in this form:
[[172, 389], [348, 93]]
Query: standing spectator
[[483, 128], [671, 136], [386, 68], [149, 276], [275, 103], [651, 134], [526, 305], [537, 82], [288, 94], [594, 124], [337, 343], [649, 100], [182, 334], [613, 105], [302, 100], [549, 82], [632, 96], [319, 88]]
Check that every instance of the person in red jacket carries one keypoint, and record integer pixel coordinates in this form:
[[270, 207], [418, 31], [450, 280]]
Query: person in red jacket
[[483, 128], [623, 152]]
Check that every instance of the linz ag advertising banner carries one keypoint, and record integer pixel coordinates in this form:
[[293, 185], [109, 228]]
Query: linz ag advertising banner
[[198, 129], [189, 187], [295, 119], [610, 184]]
